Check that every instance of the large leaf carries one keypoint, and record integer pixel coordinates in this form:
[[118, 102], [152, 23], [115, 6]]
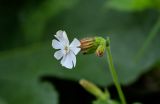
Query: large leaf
[[34, 19], [127, 36], [27, 92], [22, 68], [2, 101], [19, 86]]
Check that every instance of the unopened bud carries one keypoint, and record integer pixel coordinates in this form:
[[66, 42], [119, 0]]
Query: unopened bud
[[93, 45], [88, 45], [93, 89], [100, 50]]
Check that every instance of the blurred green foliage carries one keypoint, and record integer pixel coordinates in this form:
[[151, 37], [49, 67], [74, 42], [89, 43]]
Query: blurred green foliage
[[26, 55], [133, 5], [39, 16]]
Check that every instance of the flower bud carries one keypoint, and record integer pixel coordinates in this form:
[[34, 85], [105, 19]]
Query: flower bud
[[93, 89], [93, 45], [88, 45], [100, 50]]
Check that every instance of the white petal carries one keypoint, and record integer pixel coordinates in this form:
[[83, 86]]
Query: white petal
[[63, 60], [56, 44], [58, 54], [59, 35], [73, 59], [67, 61], [59, 32], [65, 36], [75, 43], [74, 46], [62, 37], [75, 50]]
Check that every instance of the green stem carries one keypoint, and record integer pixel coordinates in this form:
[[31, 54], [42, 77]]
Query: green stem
[[114, 75], [148, 40]]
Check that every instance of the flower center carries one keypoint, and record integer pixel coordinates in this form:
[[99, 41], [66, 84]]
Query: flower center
[[66, 49]]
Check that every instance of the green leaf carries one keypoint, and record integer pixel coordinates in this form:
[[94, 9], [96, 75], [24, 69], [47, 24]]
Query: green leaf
[[2, 101], [127, 37], [23, 91], [22, 68], [35, 18]]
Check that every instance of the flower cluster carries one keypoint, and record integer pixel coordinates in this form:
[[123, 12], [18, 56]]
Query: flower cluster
[[67, 52]]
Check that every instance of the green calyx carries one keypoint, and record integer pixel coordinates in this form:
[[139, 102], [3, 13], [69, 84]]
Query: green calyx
[[101, 46], [94, 45]]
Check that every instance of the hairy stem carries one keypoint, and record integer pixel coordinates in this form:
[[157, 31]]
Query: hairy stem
[[114, 75]]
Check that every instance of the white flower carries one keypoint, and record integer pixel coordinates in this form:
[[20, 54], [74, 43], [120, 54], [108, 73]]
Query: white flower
[[67, 52]]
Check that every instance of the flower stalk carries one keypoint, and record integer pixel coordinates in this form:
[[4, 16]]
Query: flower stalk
[[113, 72]]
